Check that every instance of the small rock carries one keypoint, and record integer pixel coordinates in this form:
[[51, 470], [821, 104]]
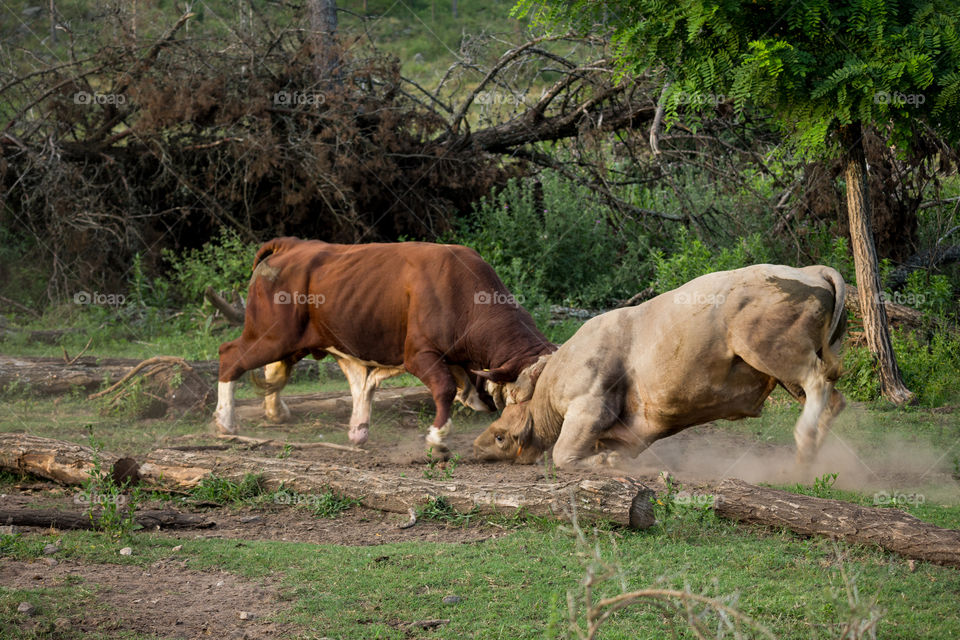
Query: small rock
[[249, 519], [26, 609], [7, 529], [248, 615], [50, 549], [126, 551], [452, 600], [177, 548], [219, 583], [50, 562]]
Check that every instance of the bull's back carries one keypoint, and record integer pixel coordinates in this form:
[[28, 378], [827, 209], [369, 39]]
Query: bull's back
[[368, 300]]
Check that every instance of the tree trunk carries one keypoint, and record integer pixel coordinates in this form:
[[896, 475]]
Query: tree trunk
[[153, 519], [872, 310], [323, 23], [890, 529]]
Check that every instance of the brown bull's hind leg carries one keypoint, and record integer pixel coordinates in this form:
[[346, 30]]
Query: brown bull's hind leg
[[236, 358], [276, 375]]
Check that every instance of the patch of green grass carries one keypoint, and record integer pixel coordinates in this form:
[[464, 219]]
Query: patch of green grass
[[223, 491], [52, 605], [71, 417], [789, 584]]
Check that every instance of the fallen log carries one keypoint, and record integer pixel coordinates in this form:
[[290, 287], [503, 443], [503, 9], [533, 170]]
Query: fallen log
[[620, 500], [153, 519], [50, 376], [57, 460], [890, 529]]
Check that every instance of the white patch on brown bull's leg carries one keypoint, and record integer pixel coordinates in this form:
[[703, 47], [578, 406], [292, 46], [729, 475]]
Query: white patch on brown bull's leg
[[224, 417], [436, 437]]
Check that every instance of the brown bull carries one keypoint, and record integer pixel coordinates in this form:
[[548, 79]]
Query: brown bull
[[712, 349], [436, 311]]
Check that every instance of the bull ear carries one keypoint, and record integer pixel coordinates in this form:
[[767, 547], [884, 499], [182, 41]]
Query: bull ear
[[531, 374]]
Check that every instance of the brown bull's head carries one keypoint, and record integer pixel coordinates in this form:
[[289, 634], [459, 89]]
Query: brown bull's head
[[510, 437], [509, 386]]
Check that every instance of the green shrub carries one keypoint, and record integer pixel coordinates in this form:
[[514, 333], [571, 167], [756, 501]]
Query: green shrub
[[559, 248], [223, 263], [930, 366], [691, 259]]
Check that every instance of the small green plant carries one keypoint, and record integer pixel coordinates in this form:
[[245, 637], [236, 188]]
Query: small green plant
[[437, 468], [823, 486], [440, 509], [663, 504], [223, 491], [285, 452], [111, 507]]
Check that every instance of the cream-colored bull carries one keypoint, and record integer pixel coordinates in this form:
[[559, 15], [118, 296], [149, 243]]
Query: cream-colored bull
[[712, 349]]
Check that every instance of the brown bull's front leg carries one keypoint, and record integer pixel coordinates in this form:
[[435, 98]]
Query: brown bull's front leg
[[431, 369]]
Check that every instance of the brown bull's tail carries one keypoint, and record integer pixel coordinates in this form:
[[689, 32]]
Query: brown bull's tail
[[270, 247], [838, 323], [280, 375]]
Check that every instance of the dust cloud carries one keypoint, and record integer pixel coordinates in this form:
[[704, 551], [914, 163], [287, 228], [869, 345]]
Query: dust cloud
[[890, 465]]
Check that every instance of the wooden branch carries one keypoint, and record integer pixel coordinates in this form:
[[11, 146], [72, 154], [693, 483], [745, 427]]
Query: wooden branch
[[153, 519], [231, 313], [149, 362], [890, 529]]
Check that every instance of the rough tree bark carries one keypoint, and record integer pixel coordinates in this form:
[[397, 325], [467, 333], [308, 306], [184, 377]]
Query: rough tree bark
[[872, 310], [890, 529]]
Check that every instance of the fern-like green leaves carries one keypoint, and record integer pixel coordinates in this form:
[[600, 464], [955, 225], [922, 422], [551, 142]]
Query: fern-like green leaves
[[815, 65]]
